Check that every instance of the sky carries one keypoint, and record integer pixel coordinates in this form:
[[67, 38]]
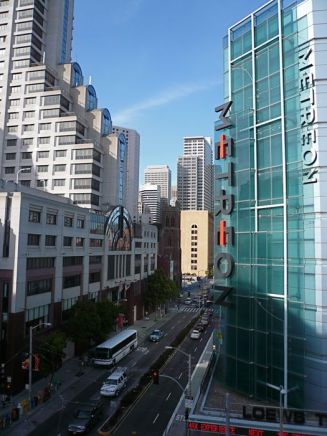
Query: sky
[[157, 66]]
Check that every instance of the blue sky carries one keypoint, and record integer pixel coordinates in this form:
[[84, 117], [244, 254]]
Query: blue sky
[[157, 66]]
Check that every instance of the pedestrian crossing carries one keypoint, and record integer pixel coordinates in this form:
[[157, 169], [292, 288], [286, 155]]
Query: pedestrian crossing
[[191, 309]]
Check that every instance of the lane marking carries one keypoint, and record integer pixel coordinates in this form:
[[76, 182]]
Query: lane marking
[[155, 418], [173, 327], [195, 349], [168, 396], [165, 334], [180, 376]]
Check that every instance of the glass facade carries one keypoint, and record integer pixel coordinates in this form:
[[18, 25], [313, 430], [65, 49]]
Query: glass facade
[[269, 317]]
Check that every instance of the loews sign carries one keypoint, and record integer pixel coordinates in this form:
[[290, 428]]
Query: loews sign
[[225, 235]]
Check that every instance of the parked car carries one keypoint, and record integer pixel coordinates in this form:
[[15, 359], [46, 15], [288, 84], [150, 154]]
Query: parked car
[[85, 417], [115, 383], [200, 327], [195, 334], [187, 300], [205, 320], [156, 335]]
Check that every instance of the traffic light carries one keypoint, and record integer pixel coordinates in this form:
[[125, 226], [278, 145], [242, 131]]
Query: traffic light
[[26, 363], [36, 362], [155, 376]]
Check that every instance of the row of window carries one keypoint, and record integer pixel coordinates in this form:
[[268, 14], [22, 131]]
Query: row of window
[[34, 216], [34, 240], [49, 262]]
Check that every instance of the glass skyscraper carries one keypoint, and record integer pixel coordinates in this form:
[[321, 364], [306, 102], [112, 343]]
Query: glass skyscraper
[[271, 204]]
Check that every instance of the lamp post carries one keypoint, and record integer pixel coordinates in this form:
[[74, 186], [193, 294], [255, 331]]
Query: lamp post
[[30, 360], [21, 171], [282, 392]]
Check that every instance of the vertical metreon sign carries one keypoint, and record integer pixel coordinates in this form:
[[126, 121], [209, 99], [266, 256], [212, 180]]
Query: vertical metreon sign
[[225, 236], [308, 116]]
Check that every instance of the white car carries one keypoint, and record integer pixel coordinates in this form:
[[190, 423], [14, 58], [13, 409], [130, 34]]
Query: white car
[[115, 383], [188, 301], [195, 334]]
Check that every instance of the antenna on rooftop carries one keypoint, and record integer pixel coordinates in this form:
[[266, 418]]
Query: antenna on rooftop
[[90, 80]]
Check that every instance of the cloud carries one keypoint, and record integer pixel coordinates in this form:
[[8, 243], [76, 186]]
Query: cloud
[[161, 99]]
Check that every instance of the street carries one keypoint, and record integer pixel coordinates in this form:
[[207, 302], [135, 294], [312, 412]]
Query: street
[[137, 364]]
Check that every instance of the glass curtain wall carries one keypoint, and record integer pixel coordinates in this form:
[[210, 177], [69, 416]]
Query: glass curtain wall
[[272, 281]]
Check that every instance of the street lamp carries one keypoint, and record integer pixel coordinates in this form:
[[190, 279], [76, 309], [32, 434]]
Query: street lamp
[[30, 356], [21, 171], [189, 388], [282, 392]]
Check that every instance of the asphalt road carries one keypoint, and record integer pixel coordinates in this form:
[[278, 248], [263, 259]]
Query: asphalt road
[[137, 364], [151, 414]]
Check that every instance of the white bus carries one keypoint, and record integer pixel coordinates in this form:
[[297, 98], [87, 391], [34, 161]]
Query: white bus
[[114, 349]]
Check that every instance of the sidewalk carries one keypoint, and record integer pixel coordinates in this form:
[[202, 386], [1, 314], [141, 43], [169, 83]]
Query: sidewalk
[[72, 379]]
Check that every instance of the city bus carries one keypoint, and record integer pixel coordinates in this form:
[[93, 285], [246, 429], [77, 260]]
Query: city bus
[[114, 349]]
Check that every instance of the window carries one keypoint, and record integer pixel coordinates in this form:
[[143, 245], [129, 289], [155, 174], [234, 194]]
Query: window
[[94, 277], [27, 13], [45, 126], [37, 87], [25, 182], [13, 116], [12, 129], [59, 168], [77, 75], [22, 51], [44, 140], [34, 216], [9, 170], [42, 154], [40, 262], [59, 182], [94, 259], [35, 287], [72, 260], [15, 89], [10, 156], [106, 126], [51, 99], [42, 168], [11, 142], [80, 223], [64, 140], [68, 221], [27, 141], [15, 102], [71, 281], [51, 218], [29, 114], [68, 241], [50, 113], [60, 153], [79, 242], [26, 155], [50, 240], [42, 183], [96, 242], [91, 98], [28, 128], [33, 239], [29, 101], [21, 64]]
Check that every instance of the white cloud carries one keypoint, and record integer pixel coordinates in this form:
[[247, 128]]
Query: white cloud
[[163, 98]]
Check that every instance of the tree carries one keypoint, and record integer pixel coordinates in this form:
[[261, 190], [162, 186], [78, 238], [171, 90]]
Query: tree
[[84, 325], [160, 290], [107, 313], [51, 351]]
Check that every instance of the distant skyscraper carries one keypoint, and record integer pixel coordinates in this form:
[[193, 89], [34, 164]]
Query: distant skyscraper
[[159, 175], [133, 166], [173, 195], [150, 199], [194, 174]]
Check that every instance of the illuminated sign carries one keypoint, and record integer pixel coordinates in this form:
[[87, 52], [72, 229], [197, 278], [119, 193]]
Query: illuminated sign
[[224, 150], [308, 116], [220, 429]]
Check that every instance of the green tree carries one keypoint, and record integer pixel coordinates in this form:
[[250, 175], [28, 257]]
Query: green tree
[[160, 289], [84, 325], [51, 351], [107, 313]]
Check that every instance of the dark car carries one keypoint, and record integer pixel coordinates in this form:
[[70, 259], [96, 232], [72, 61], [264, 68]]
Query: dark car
[[156, 335], [200, 327], [85, 417]]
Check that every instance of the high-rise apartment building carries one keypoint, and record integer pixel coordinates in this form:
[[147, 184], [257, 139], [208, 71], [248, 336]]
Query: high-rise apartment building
[[194, 174], [270, 204], [159, 175], [133, 167], [52, 134], [150, 201]]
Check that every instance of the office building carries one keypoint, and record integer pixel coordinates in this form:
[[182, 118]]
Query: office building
[[133, 167], [270, 205], [150, 202], [54, 253], [196, 242], [159, 175], [53, 136], [194, 174]]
